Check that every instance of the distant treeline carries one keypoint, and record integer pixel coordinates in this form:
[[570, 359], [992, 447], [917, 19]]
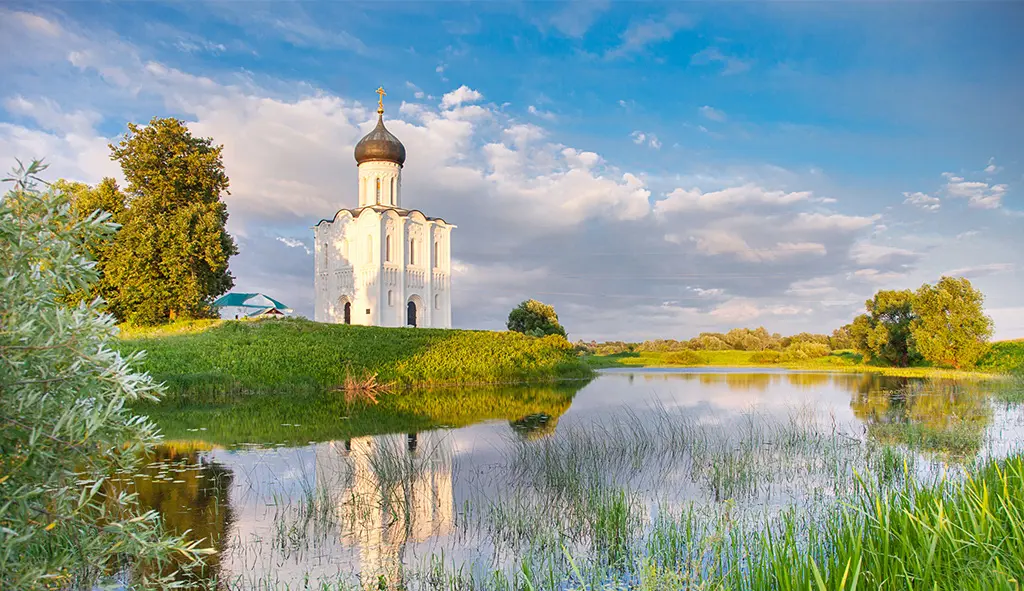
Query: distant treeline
[[737, 339]]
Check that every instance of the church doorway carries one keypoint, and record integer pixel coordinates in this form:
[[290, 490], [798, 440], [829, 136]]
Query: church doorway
[[348, 312], [410, 316]]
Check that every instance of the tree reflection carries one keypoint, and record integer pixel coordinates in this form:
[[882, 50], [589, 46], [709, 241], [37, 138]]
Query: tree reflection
[[944, 416]]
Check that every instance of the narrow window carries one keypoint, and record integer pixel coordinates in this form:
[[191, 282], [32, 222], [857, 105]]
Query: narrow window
[[369, 249], [378, 190], [437, 301], [391, 298], [412, 251], [325, 256], [393, 197], [387, 248], [437, 257]]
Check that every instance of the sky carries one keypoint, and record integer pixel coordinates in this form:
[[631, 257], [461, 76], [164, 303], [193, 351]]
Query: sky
[[651, 170]]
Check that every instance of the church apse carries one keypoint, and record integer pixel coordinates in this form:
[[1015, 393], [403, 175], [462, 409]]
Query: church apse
[[373, 260]]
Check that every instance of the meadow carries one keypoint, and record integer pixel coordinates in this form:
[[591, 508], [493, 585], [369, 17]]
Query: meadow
[[1002, 357], [220, 361]]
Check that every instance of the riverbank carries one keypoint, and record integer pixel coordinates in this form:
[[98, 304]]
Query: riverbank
[[1003, 357], [218, 360]]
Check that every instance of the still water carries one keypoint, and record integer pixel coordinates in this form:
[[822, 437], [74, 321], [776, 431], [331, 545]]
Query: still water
[[315, 491]]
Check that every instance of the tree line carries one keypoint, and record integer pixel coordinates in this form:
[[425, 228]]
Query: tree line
[[168, 258], [942, 325]]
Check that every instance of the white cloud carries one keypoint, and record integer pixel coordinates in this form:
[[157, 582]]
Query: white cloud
[[722, 242], [978, 194], [547, 115], [922, 200], [736, 311], [980, 270], [577, 17], [640, 138], [417, 92], [641, 34], [712, 55], [460, 95], [992, 168], [294, 243], [695, 199], [874, 255], [820, 222], [712, 113]]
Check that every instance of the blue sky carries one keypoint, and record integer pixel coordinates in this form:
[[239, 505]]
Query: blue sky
[[651, 170]]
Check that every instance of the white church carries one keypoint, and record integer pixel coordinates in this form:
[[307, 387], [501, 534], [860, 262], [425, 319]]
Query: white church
[[380, 264]]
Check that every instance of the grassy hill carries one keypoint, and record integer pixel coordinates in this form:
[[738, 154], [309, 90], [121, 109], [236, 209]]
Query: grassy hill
[[217, 359]]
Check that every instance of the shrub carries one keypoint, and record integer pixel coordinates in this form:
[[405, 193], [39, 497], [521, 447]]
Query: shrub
[[685, 357], [804, 350], [766, 357], [64, 428], [535, 319]]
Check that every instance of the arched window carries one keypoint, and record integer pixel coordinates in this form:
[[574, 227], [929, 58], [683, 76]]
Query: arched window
[[325, 256], [437, 301], [387, 248], [369, 249], [412, 251], [391, 298], [437, 256], [348, 313], [394, 197], [378, 190]]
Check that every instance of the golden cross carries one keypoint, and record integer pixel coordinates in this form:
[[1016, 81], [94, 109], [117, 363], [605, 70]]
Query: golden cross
[[380, 102]]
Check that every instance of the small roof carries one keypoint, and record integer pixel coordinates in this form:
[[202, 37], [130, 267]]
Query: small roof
[[249, 300]]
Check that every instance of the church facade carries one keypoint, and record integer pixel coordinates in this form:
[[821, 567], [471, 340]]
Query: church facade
[[380, 264]]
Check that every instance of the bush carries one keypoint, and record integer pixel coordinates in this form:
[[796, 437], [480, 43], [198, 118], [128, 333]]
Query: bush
[[64, 429], [804, 350], [535, 319], [685, 357], [766, 357]]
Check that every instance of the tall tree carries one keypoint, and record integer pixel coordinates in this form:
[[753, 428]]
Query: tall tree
[[104, 200], [534, 318], [884, 332], [170, 258], [951, 328]]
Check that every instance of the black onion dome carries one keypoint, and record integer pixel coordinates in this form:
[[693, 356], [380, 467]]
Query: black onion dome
[[378, 145]]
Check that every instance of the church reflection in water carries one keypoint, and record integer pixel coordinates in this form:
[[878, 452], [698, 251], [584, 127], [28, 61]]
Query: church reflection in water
[[387, 492]]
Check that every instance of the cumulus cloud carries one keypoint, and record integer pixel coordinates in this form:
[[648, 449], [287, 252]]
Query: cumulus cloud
[[922, 201], [547, 115], [979, 194], [460, 95], [992, 168], [536, 217], [640, 138]]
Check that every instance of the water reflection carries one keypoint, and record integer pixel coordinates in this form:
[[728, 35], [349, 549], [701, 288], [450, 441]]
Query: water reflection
[[367, 507], [386, 494]]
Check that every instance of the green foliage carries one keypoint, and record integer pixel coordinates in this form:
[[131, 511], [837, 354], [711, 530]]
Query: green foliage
[[298, 356], [84, 202], [535, 319], [1004, 357], [170, 258], [842, 338], [64, 429], [884, 332], [766, 357], [951, 328], [801, 350], [685, 357]]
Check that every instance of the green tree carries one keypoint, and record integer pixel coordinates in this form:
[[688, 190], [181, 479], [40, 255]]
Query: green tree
[[170, 258], [534, 318], [950, 328], [64, 428], [884, 332], [841, 338], [85, 201]]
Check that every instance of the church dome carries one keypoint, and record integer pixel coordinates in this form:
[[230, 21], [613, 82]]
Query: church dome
[[379, 145]]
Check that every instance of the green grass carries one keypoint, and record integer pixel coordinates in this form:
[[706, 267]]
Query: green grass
[[846, 361], [219, 361]]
